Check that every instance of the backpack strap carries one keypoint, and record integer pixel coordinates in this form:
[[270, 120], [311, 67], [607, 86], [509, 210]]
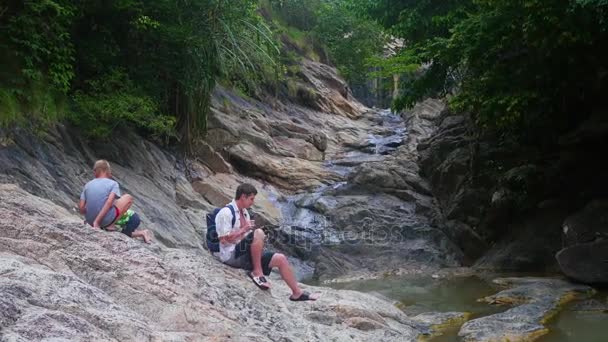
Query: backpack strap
[[233, 214]]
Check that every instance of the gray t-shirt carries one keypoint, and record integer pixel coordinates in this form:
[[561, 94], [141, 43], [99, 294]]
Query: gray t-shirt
[[95, 194]]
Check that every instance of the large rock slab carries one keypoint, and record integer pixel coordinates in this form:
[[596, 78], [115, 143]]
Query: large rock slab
[[57, 165], [536, 300], [62, 280], [287, 172]]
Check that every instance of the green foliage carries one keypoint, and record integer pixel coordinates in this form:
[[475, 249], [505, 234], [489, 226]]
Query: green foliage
[[250, 57], [36, 44], [114, 101], [301, 14], [519, 66], [36, 57], [350, 39], [135, 62]]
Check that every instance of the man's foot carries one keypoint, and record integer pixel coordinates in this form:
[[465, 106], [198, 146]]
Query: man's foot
[[304, 296], [260, 281]]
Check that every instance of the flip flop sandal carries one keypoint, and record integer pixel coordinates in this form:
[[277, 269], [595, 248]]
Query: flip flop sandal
[[303, 297], [260, 282]]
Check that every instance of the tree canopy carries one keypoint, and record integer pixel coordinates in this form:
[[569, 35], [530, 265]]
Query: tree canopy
[[516, 65], [147, 63]]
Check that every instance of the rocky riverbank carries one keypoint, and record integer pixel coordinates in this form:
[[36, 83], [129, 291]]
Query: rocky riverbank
[[60, 279], [347, 191]]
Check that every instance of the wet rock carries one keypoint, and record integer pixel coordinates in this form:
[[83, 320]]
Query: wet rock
[[592, 305], [535, 300], [585, 262], [467, 239], [585, 238], [588, 225]]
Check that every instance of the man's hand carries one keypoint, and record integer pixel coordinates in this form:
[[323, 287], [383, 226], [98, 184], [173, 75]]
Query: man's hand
[[96, 225]]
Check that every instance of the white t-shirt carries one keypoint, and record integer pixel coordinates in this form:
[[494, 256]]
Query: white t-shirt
[[223, 226]]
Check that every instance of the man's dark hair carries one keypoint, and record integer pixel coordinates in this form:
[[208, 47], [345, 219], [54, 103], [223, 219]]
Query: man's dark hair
[[245, 189]]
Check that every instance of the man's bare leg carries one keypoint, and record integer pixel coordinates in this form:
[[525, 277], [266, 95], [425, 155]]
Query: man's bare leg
[[280, 261], [257, 247]]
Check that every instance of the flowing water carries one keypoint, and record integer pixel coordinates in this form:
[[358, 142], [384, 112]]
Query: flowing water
[[302, 226], [419, 294]]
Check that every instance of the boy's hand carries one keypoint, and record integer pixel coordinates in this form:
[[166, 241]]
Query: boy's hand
[[96, 225]]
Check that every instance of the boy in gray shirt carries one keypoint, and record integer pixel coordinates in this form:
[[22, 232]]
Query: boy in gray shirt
[[102, 204]]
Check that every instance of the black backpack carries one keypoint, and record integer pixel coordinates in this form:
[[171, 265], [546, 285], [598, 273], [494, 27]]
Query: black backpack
[[213, 241]]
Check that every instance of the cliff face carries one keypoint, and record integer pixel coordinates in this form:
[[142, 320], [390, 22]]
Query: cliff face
[[525, 203]]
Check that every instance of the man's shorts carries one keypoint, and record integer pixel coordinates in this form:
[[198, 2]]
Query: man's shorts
[[242, 256]]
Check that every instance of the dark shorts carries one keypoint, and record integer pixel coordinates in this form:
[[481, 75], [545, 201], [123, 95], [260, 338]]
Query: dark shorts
[[131, 225], [242, 256]]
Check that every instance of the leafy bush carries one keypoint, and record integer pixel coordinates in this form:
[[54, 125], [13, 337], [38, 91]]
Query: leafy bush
[[520, 66], [300, 14], [169, 56], [350, 39], [114, 101]]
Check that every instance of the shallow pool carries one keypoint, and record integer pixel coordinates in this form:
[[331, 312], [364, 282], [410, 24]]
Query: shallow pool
[[423, 294]]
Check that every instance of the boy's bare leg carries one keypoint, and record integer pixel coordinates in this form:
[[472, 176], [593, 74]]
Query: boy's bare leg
[[110, 228], [123, 203]]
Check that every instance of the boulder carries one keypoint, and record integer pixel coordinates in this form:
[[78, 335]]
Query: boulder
[[587, 225], [287, 172], [211, 193], [585, 262], [585, 241]]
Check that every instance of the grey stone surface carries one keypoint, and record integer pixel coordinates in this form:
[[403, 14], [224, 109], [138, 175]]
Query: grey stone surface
[[58, 165], [62, 280], [535, 300]]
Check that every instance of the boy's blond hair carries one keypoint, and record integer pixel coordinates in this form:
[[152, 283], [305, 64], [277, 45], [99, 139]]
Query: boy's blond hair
[[102, 165]]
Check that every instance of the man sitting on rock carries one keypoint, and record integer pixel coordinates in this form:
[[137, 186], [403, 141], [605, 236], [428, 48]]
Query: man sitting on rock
[[104, 207], [242, 245]]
